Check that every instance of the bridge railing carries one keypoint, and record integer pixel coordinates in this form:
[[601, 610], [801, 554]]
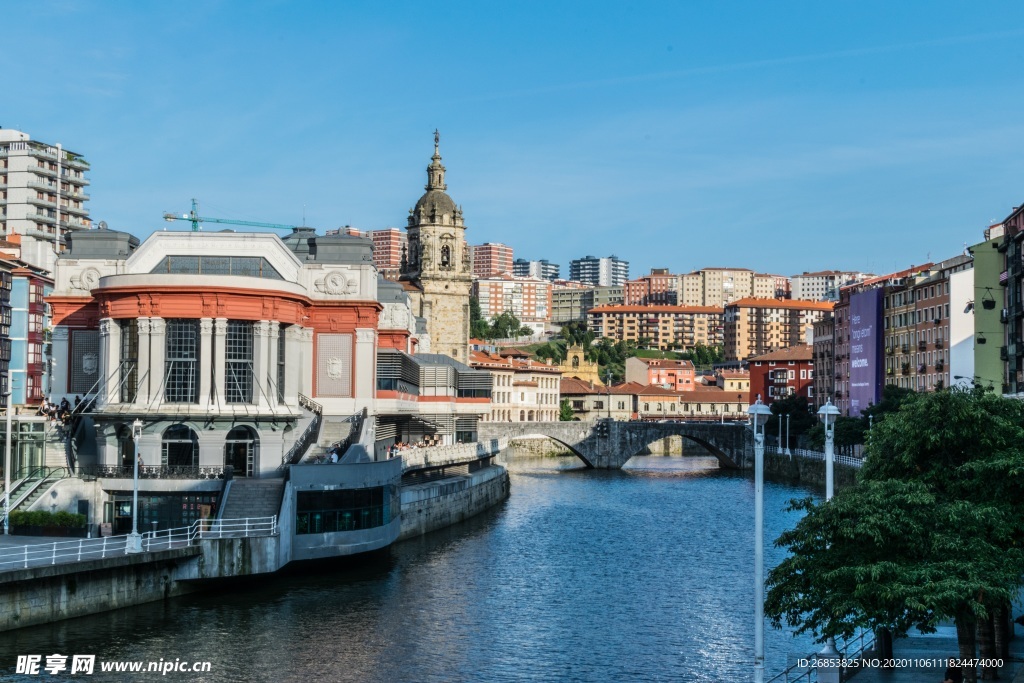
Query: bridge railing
[[817, 455]]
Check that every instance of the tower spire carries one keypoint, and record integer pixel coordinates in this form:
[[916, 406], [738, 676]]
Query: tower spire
[[435, 172]]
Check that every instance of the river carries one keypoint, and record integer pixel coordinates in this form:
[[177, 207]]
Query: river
[[643, 574]]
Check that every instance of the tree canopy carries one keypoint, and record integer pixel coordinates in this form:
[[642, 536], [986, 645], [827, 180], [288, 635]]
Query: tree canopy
[[933, 530]]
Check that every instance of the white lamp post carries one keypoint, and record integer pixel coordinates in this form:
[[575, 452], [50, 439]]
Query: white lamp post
[[828, 413], [759, 414], [134, 542], [7, 467], [788, 452]]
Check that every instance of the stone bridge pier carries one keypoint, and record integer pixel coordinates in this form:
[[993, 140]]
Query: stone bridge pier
[[608, 444]]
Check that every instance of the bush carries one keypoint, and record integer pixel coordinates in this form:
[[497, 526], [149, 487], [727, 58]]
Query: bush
[[41, 518]]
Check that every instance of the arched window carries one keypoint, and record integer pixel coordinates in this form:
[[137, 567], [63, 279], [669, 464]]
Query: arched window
[[530, 418], [240, 450], [180, 447], [522, 416], [446, 256]]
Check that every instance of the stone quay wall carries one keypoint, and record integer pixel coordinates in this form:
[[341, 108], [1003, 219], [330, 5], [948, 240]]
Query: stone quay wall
[[441, 503]]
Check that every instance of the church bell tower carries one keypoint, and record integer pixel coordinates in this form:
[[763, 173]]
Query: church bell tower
[[437, 264]]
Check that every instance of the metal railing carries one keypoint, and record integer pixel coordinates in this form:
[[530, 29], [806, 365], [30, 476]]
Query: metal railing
[[148, 472], [309, 434], [818, 455], [852, 649], [44, 554]]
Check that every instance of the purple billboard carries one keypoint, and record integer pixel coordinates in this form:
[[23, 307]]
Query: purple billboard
[[866, 360]]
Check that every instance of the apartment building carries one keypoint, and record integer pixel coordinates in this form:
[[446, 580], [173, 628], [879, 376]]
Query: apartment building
[[703, 404], [822, 285], [662, 327], [824, 359], [677, 375], [590, 401], [783, 373], [610, 271], [528, 298], [524, 390], [719, 286], [543, 269], [754, 327], [389, 245], [1011, 281], [491, 258], [42, 196], [660, 288]]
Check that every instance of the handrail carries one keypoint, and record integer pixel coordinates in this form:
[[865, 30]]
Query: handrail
[[35, 484], [810, 672], [310, 405], [306, 438], [41, 554]]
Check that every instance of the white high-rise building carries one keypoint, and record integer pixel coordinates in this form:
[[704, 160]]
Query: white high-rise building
[[35, 179], [822, 285], [610, 271]]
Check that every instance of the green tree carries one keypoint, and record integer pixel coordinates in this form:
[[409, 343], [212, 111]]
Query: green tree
[[565, 413], [478, 327], [934, 529]]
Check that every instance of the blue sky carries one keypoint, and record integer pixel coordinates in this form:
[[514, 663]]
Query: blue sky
[[776, 136]]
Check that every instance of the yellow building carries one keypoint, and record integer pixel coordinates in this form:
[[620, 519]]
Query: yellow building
[[754, 327], [576, 366], [665, 327]]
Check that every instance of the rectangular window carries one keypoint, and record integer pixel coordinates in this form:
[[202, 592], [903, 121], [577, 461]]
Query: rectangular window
[[280, 364], [129, 360], [238, 362], [181, 366]]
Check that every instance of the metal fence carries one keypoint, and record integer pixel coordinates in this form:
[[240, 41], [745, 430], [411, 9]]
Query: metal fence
[[851, 650], [817, 455], [42, 554]]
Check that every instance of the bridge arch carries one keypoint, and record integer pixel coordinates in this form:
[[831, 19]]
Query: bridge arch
[[725, 460], [561, 442]]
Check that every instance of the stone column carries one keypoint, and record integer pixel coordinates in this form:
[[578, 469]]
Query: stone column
[[364, 378], [145, 376], [271, 374], [292, 364], [260, 339], [205, 361], [61, 363], [220, 330], [157, 354], [110, 356], [307, 362]]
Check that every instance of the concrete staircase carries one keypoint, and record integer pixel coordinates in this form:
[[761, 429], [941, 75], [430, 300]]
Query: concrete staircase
[[253, 498], [333, 430]]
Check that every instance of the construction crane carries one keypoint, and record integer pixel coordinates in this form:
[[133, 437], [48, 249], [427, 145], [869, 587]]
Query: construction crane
[[194, 218]]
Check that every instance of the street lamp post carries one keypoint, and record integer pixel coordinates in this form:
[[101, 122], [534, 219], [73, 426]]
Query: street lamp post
[[759, 414], [134, 542], [7, 467], [828, 414], [779, 440], [829, 673], [788, 452], [608, 385]]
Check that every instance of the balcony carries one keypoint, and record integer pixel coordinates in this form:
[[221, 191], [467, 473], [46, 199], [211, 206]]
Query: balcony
[[1004, 316], [905, 369], [42, 218], [940, 366], [939, 343], [39, 170], [46, 185], [906, 348], [922, 346], [922, 368], [890, 350], [1003, 353]]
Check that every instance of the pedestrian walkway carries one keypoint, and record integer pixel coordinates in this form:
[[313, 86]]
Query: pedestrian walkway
[[922, 647]]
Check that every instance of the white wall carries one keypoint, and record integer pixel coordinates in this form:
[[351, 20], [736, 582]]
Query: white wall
[[961, 328]]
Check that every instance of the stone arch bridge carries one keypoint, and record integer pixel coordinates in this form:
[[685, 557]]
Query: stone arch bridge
[[608, 444]]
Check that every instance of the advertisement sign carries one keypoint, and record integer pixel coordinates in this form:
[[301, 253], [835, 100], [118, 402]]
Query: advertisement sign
[[866, 360]]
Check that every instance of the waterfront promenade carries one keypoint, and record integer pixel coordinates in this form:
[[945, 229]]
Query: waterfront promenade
[[932, 646]]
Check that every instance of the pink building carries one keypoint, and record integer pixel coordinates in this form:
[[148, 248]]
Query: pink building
[[675, 375], [491, 259]]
